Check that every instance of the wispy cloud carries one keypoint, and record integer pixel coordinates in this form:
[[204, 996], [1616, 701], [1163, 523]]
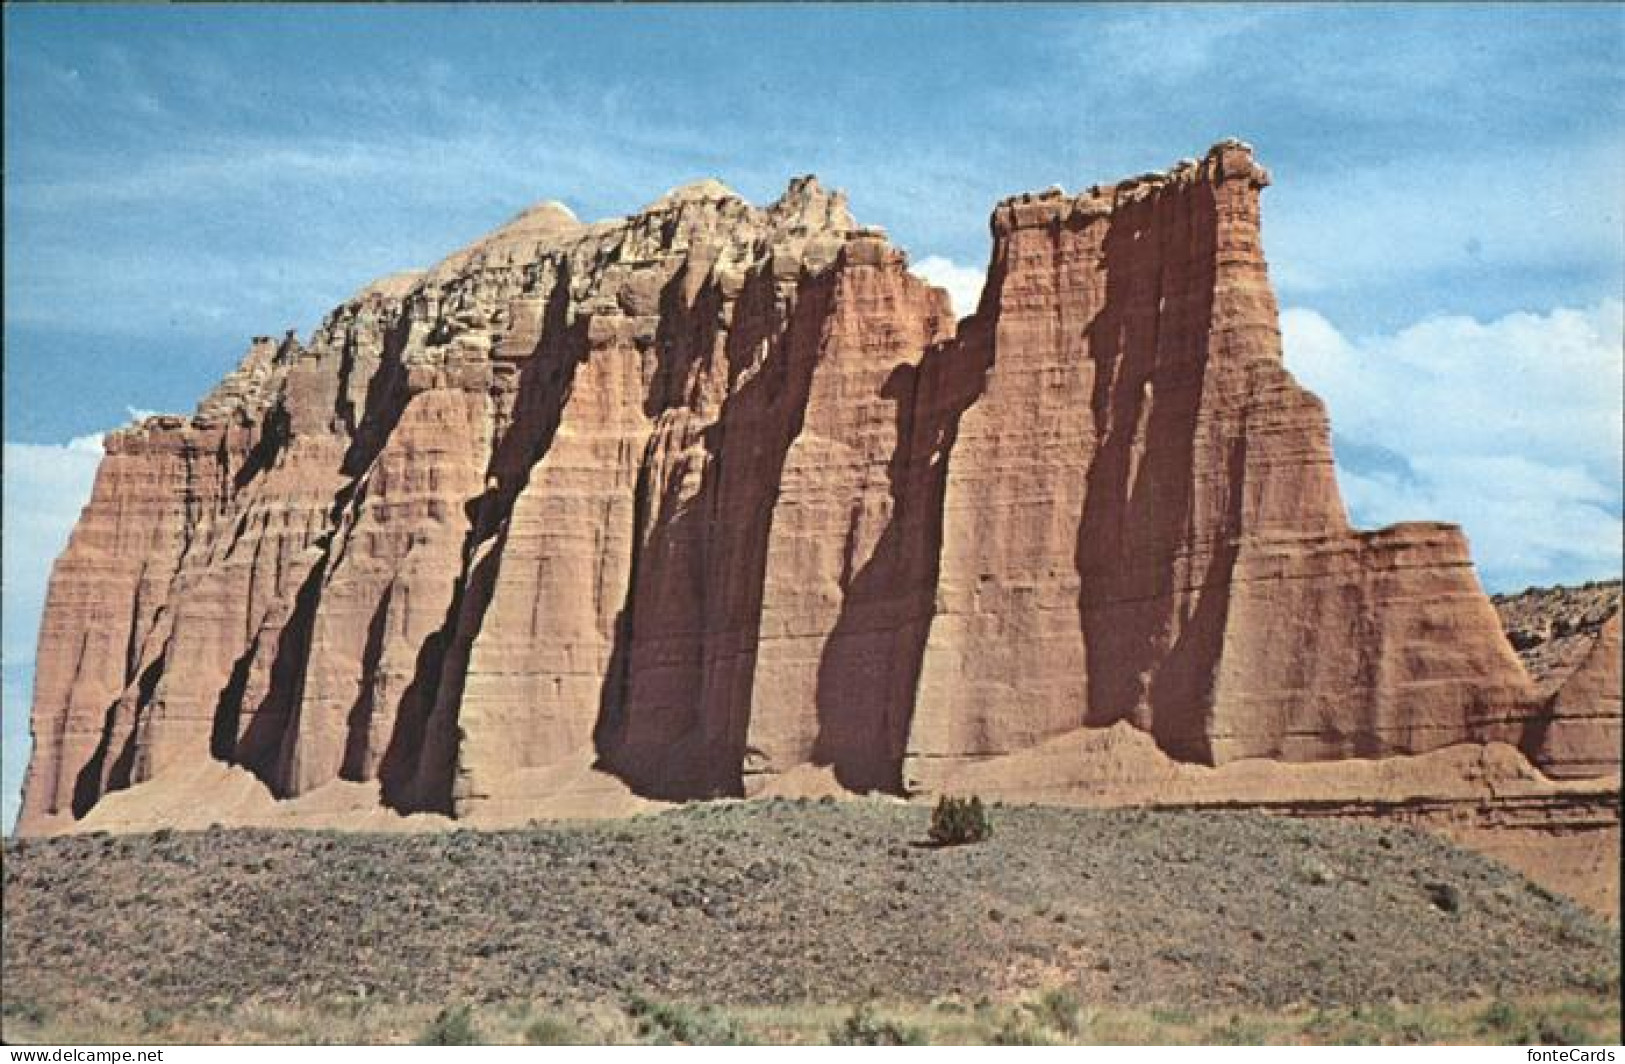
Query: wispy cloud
[[964, 283], [1509, 427], [46, 487]]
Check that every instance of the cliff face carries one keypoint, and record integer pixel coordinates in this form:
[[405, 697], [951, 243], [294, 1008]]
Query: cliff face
[[1143, 520], [696, 500]]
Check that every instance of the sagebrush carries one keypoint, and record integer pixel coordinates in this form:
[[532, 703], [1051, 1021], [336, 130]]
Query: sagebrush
[[957, 821]]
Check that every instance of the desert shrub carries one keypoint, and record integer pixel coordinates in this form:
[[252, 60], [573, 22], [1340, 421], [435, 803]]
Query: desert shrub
[[662, 1022], [552, 1031], [1547, 1026], [864, 1028], [1059, 1010], [1556, 1031], [1236, 1032], [24, 1010], [956, 821], [1499, 1015], [1506, 1020], [1601, 981], [1019, 1030], [1444, 896], [451, 1026]]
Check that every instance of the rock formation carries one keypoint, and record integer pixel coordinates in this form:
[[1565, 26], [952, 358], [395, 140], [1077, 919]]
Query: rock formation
[[686, 504], [1579, 734], [1554, 628], [1569, 640]]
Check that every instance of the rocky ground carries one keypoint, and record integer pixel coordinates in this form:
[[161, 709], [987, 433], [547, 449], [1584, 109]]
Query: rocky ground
[[1551, 628], [781, 903]]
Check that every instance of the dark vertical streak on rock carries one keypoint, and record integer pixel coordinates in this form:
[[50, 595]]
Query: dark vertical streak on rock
[[1138, 513], [436, 689]]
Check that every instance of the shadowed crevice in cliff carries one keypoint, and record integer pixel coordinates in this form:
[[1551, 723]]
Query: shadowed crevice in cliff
[[867, 686], [263, 743], [610, 726], [397, 769], [228, 710], [97, 778], [88, 785], [689, 327], [665, 604], [1152, 568], [275, 434], [358, 722], [421, 761], [685, 336], [675, 726], [1537, 729], [420, 765], [263, 747], [385, 401], [1182, 689]]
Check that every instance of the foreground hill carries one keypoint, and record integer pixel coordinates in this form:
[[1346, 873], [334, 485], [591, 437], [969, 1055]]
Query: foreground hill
[[775, 904]]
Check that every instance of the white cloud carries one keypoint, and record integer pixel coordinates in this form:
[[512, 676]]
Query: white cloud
[[1510, 428], [46, 487], [964, 283]]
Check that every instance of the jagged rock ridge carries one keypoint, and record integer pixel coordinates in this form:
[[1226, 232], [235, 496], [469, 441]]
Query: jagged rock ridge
[[692, 502]]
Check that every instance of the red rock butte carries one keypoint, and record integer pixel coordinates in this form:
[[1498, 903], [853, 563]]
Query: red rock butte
[[722, 501]]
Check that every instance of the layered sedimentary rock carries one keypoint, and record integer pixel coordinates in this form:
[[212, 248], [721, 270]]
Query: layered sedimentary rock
[[1142, 521], [690, 503]]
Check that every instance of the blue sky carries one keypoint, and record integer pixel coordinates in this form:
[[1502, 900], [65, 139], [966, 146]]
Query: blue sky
[[1444, 231]]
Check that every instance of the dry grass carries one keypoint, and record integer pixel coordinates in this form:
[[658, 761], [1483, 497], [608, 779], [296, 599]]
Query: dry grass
[[1052, 1018]]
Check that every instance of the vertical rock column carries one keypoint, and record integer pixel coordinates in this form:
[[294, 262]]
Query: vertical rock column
[[846, 597], [105, 592]]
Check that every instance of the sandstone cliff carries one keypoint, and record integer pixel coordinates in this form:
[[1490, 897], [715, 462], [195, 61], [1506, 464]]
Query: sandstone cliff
[[689, 503]]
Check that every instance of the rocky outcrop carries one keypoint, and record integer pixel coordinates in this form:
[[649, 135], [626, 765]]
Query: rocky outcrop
[[707, 499], [1568, 638], [1578, 734], [1554, 628]]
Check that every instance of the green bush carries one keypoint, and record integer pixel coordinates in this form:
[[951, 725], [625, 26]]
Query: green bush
[[1500, 1016], [1060, 1010], [864, 1028], [661, 1023], [27, 1011], [552, 1031], [1019, 1030], [1236, 1032], [450, 1027], [956, 821], [1556, 1031]]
